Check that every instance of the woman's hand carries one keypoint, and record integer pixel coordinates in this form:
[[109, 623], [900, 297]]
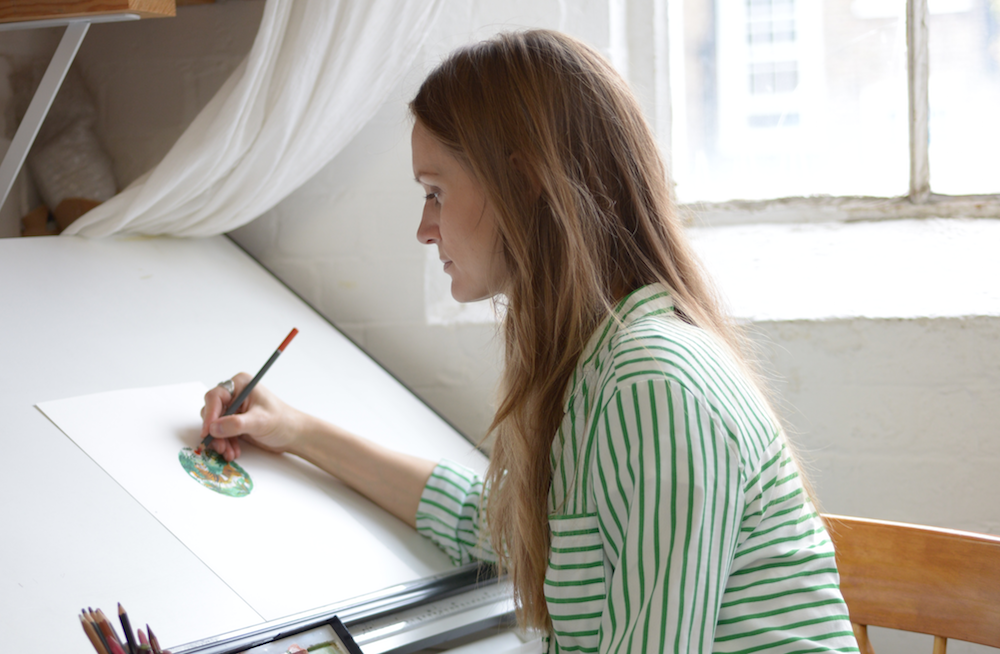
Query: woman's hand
[[392, 480], [264, 420]]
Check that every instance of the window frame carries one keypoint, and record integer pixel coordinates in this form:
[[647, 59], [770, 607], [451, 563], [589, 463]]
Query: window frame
[[919, 202]]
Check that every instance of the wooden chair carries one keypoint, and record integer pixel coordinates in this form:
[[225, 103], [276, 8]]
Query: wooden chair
[[921, 579]]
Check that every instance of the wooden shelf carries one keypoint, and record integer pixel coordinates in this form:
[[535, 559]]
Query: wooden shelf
[[12, 11]]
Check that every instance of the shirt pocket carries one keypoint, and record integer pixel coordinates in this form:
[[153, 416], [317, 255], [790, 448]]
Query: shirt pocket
[[575, 581]]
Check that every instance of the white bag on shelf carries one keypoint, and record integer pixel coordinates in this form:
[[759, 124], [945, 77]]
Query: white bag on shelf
[[72, 164]]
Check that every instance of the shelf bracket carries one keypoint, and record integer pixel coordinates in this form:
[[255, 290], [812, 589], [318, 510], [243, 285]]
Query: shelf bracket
[[76, 29]]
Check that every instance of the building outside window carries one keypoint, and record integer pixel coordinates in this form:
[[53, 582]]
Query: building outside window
[[797, 98]]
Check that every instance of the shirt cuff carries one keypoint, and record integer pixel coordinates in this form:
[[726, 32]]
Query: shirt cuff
[[448, 512]]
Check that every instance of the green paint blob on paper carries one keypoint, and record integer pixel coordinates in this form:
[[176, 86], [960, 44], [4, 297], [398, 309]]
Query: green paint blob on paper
[[211, 470]]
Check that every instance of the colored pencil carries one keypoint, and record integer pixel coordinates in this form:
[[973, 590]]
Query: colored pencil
[[144, 646], [127, 627], [236, 403], [115, 647], [109, 630], [92, 635], [152, 638], [92, 617]]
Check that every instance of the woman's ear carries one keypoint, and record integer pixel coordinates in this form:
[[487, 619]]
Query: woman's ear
[[533, 183]]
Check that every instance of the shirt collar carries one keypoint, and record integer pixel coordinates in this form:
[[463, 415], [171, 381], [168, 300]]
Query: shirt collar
[[645, 301]]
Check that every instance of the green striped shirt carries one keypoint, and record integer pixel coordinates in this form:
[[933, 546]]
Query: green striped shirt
[[678, 519]]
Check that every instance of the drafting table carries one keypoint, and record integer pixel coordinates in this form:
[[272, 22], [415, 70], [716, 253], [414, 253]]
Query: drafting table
[[86, 316]]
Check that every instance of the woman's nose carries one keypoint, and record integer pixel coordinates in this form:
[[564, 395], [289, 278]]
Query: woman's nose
[[428, 232]]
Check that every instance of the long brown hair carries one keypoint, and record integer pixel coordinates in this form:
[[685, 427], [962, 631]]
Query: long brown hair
[[584, 216]]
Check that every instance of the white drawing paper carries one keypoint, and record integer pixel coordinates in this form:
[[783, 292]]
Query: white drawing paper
[[298, 541]]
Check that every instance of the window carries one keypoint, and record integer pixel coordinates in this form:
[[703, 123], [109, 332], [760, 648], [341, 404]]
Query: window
[[781, 107], [810, 110]]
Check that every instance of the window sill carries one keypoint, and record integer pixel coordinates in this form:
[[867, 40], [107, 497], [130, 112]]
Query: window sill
[[890, 269], [823, 209], [900, 269]]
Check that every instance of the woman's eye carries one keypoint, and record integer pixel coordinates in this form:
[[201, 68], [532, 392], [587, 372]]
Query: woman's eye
[[431, 196]]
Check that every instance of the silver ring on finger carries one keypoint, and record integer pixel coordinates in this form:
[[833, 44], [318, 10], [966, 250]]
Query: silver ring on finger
[[229, 385]]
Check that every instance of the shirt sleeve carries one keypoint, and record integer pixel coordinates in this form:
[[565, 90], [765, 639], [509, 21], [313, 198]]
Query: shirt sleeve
[[667, 481], [449, 513]]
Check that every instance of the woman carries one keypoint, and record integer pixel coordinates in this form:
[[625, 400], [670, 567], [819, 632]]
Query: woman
[[640, 488]]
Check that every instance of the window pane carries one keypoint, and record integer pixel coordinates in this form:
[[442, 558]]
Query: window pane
[[779, 98], [965, 96]]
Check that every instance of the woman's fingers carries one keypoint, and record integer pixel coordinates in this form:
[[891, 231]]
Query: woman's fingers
[[212, 409], [229, 448], [227, 427], [262, 419], [217, 400], [240, 380], [222, 446], [255, 423]]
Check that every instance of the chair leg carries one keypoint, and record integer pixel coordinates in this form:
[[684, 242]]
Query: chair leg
[[865, 645], [940, 644]]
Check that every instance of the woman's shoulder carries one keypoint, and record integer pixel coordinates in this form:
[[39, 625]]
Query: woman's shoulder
[[664, 351], [664, 346]]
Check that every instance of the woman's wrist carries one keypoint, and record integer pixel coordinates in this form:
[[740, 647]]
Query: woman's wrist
[[319, 442], [302, 433]]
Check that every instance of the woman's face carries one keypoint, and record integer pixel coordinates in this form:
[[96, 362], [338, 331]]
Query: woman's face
[[458, 219]]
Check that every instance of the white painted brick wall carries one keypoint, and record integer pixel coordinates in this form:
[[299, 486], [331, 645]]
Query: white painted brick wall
[[898, 418]]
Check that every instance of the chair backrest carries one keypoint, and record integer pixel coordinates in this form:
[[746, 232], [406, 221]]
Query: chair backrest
[[921, 579]]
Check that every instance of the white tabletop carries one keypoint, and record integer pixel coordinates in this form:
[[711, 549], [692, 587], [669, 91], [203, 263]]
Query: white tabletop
[[86, 316]]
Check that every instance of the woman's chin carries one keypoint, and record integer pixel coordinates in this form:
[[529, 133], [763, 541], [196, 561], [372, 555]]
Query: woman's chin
[[465, 296]]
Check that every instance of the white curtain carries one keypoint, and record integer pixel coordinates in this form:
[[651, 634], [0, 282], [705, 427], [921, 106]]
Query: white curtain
[[317, 72]]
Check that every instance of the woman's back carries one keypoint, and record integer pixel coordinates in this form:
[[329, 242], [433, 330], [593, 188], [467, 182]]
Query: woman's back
[[708, 540]]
